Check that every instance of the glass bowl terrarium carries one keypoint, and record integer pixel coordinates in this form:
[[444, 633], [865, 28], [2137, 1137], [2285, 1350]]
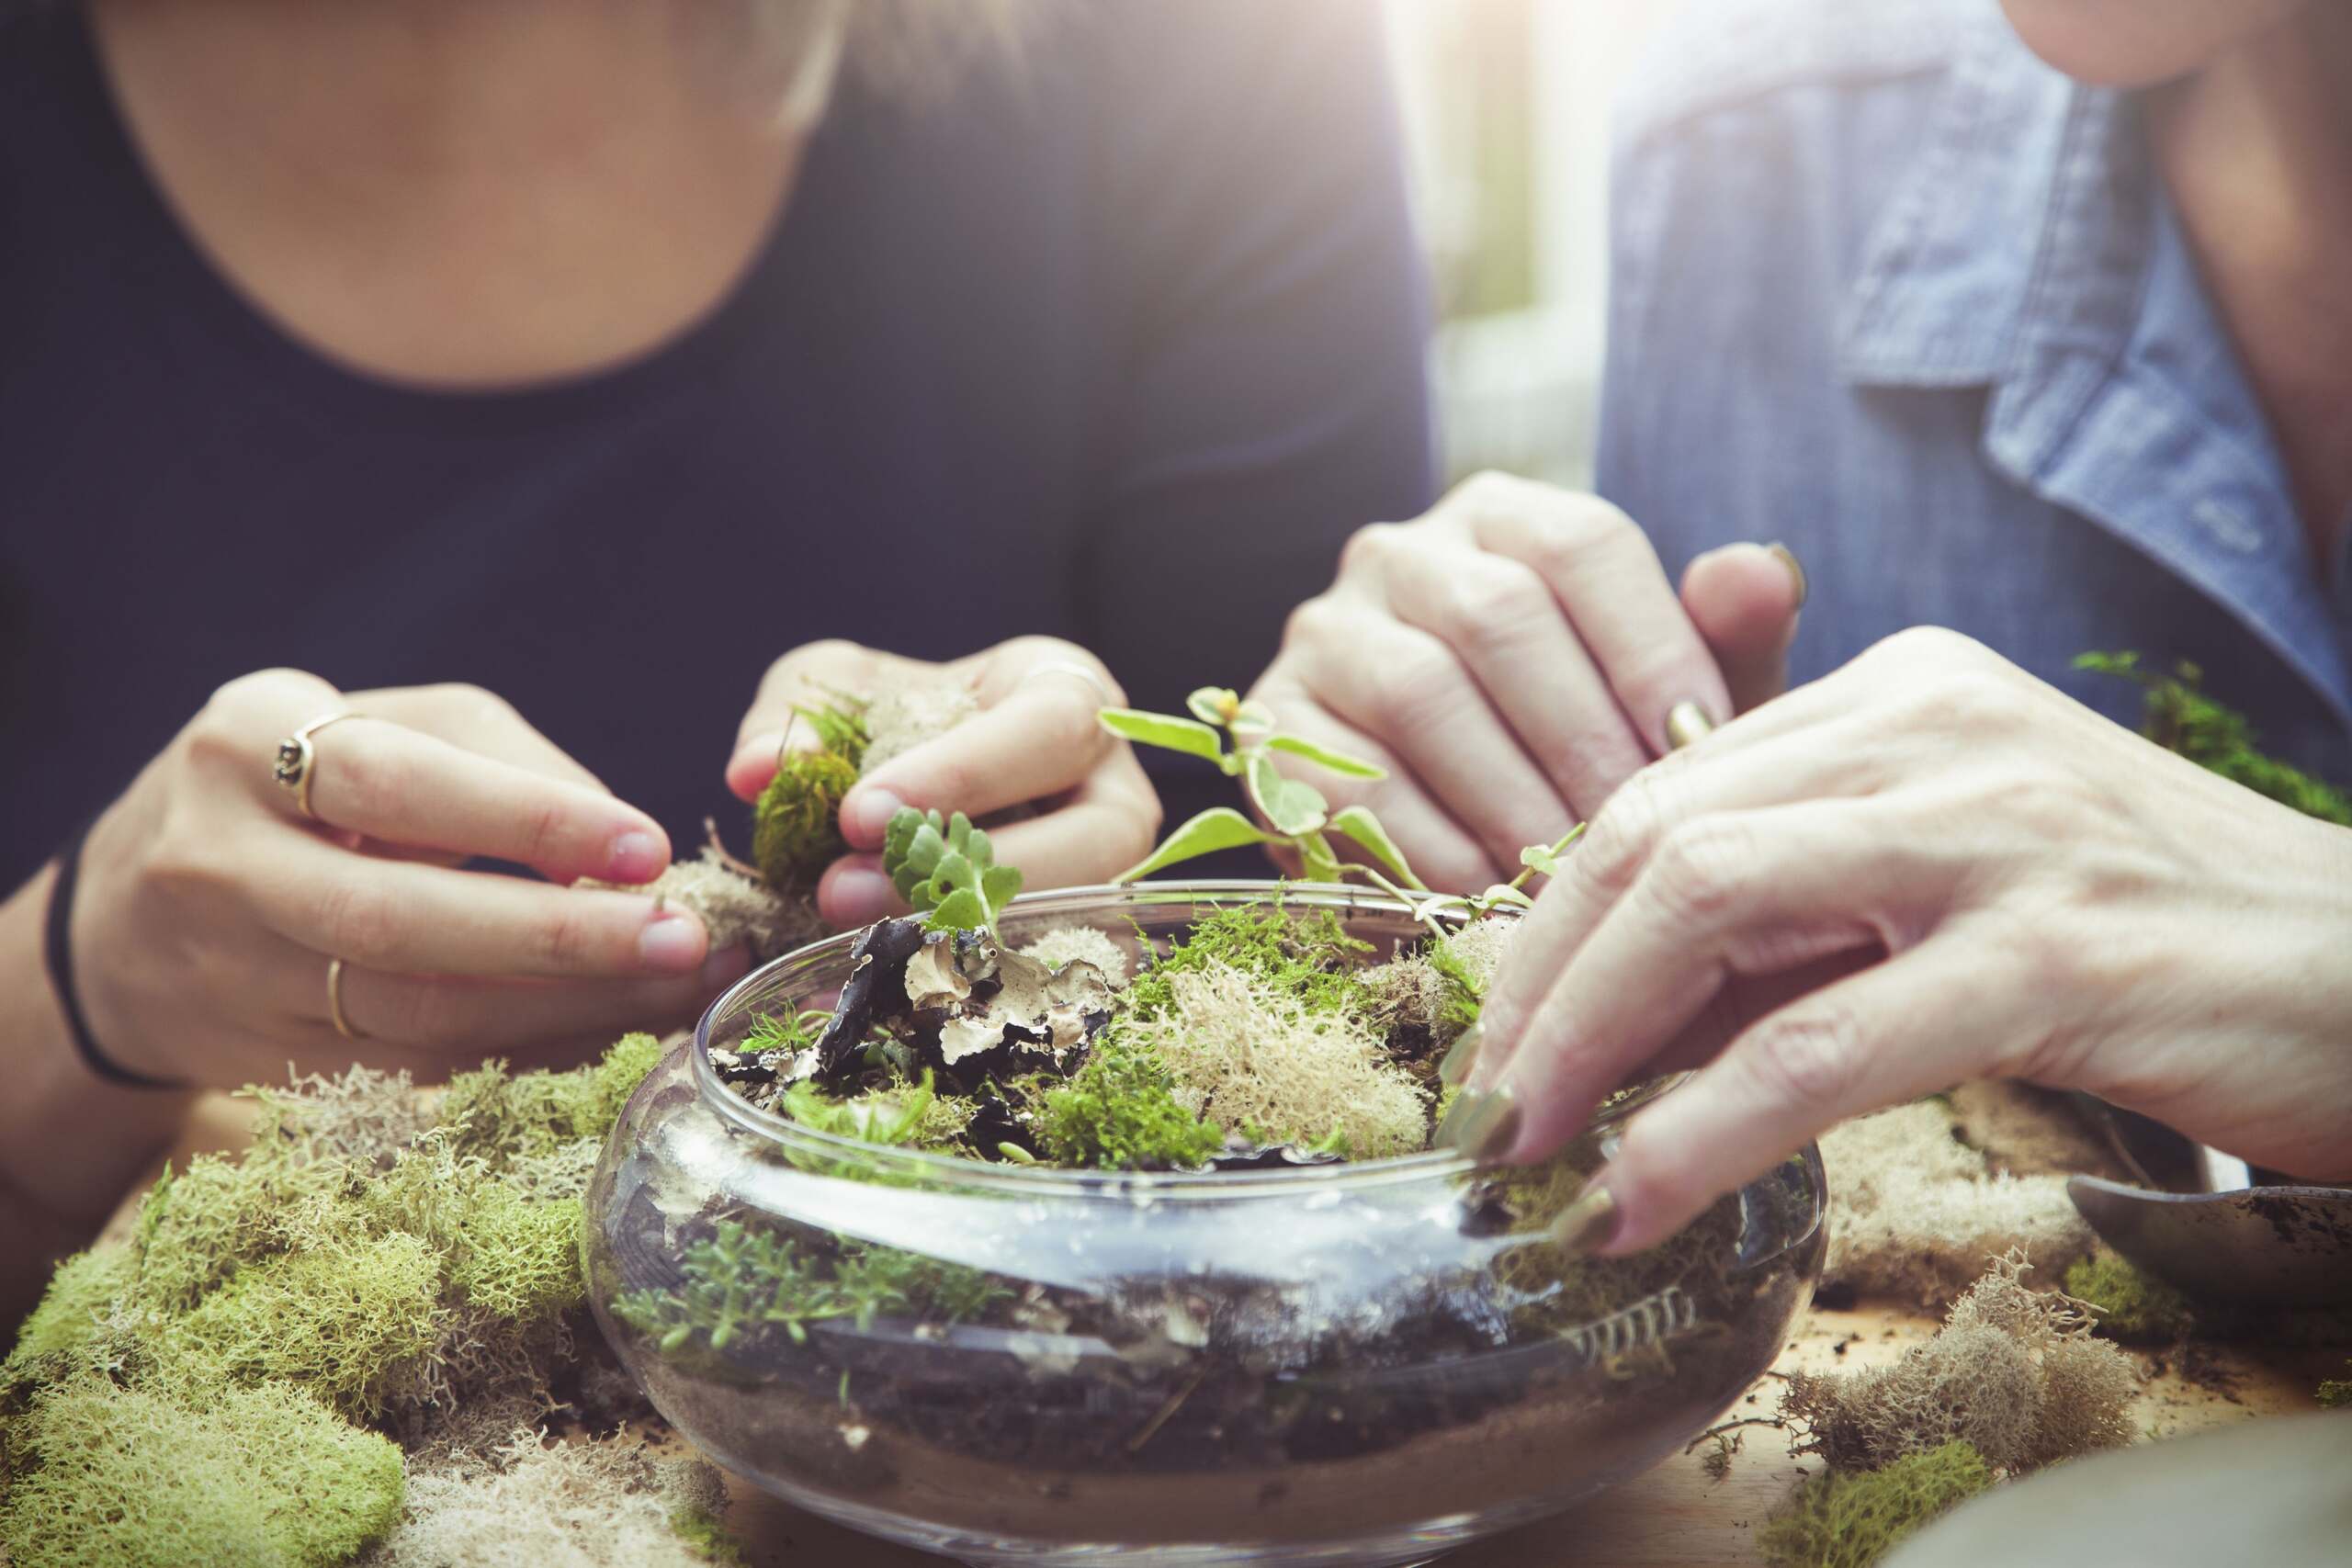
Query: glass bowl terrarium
[[896, 1306]]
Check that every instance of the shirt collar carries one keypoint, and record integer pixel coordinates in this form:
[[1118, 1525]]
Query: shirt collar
[[2029, 249]]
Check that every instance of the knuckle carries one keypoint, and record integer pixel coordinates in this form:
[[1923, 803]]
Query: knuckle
[[1314, 623], [1807, 1058], [1369, 547], [1616, 846], [1423, 685], [542, 832], [360, 922], [1699, 871], [564, 942], [1488, 612]]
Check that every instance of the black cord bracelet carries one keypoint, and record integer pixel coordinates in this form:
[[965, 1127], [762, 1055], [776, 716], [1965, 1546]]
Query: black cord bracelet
[[57, 951]]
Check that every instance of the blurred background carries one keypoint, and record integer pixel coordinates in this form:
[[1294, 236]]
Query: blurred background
[[1506, 108]]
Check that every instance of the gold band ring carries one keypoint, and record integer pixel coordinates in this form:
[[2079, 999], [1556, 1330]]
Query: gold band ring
[[297, 755], [1072, 667], [335, 1002]]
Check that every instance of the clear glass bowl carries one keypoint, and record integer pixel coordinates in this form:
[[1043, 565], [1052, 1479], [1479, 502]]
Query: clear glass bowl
[[1360, 1363]]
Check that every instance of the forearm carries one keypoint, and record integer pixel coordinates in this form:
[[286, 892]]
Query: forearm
[[70, 1141]]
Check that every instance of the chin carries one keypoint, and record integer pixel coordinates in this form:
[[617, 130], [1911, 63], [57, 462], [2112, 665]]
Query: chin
[[2139, 43]]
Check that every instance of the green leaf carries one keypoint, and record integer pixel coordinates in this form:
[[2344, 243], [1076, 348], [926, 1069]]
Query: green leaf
[[1213, 704], [1504, 893], [999, 884], [1251, 720], [1218, 828], [1323, 757], [1317, 862], [961, 910], [1166, 731], [1358, 823], [1291, 806], [1539, 857]]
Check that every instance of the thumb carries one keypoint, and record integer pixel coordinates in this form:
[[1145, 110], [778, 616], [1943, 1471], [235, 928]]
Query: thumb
[[1744, 599]]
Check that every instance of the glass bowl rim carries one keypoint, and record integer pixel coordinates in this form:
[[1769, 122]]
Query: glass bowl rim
[[1039, 1180]]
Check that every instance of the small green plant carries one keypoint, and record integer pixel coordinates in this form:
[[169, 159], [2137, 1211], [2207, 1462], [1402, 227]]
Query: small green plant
[[796, 826], [2336, 1391], [947, 870], [1241, 739], [2180, 717], [740, 1282]]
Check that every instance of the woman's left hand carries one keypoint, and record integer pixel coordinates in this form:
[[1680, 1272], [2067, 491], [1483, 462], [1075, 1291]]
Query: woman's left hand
[[1926, 868], [1035, 743]]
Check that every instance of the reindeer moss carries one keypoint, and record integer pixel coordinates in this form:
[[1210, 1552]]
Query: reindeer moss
[[1838, 1519], [107, 1477], [503, 1117]]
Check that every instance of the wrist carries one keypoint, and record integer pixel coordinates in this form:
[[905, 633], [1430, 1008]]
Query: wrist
[[70, 1140]]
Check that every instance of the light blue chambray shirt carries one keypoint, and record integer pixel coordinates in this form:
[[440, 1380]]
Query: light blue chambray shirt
[[1886, 287]]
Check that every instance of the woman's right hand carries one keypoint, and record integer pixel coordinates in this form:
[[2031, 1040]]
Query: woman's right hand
[[1512, 658], [209, 909]]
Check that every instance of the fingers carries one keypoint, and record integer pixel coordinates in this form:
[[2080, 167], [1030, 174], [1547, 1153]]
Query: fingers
[[1036, 736], [806, 675], [1109, 824], [415, 918], [1498, 616], [468, 1019], [1744, 599], [1407, 687], [1605, 574], [402, 787], [476, 720], [1725, 896], [1894, 1031], [1440, 850]]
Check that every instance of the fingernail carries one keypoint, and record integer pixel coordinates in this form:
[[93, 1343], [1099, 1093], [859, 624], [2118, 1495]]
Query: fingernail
[[1687, 722], [635, 858], [1482, 1124], [1586, 1225], [1462, 1057], [671, 944], [866, 816], [1788, 557]]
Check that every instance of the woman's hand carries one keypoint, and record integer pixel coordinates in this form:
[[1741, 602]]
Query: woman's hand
[[209, 908], [1035, 742], [1512, 658], [1926, 868]]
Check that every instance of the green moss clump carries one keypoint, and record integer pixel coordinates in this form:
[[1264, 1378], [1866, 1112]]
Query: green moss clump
[[2180, 717], [2336, 1391], [706, 1532], [905, 1115], [2134, 1307], [198, 1227], [107, 1477], [1308, 956], [1840, 1520], [74, 1313], [502, 1116], [1465, 992], [1120, 1112], [796, 824], [335, 1319]]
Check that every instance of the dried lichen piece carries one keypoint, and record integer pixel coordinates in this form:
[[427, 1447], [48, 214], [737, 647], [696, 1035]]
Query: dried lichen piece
[[900, 719], [736, 910], [1065, 944]]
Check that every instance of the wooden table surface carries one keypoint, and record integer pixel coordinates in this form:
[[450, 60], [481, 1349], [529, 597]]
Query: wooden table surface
[[1674, 1514]]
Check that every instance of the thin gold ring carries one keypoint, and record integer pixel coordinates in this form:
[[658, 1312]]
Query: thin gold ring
[[297, 756], [335, 1002]]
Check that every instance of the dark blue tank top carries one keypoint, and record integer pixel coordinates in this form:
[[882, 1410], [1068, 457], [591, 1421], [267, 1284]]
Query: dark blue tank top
[[1116, 346]]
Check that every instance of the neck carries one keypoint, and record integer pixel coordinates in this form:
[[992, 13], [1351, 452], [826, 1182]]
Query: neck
[[461, 192], [2257, 150]]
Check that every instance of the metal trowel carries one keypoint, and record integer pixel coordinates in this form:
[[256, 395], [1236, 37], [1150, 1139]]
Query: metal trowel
[[2291, 1245]]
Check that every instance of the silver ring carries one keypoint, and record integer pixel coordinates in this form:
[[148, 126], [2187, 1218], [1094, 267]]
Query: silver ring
[[1072, 667]]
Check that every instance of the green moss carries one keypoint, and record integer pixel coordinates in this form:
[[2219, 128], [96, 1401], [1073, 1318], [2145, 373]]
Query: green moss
[[1120, 1113], [197, 1228], [502, 1116], [70, 1318], [1465, 994], [335, 1320], [707, 1533], [1840, 1520], [2180, 717], [796, 824], [124, 1478], [1304, 954], [2336, 1391], [2134, 1307]]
